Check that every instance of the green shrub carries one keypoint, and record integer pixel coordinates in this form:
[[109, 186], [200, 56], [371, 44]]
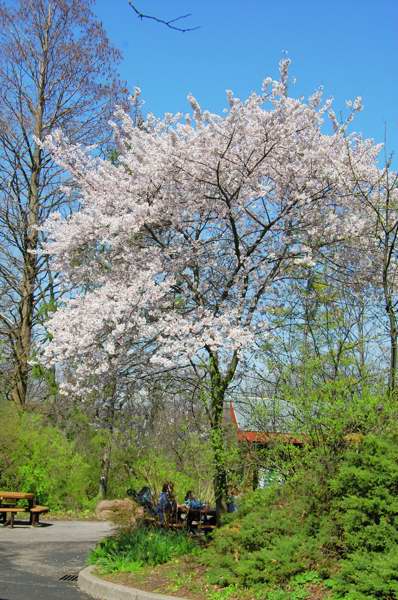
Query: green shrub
[[365, 491], [336, 518], [264, 544], [367, 576], [129, 550], [38, 458], [365, 510]]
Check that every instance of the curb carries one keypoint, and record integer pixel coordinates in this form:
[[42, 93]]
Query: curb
[[105, 590]]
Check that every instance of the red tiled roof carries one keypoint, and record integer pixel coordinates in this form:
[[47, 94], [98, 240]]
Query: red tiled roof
[[261, 437], [265, 437]]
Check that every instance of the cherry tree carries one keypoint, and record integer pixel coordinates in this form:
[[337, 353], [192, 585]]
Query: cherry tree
[[181, 242]]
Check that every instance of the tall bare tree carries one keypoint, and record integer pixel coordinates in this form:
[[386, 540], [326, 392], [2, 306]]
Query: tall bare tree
[[57, 70]]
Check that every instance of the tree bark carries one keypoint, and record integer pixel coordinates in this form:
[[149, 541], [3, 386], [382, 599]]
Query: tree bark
[[218, 386], [57, 71], [220, 482], [105, 469], [389, 304], [29, 273], [107, 453], [393, 334]]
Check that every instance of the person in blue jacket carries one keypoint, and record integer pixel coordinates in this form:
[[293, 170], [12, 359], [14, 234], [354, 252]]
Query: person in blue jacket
[[167, 503], [192, 502]]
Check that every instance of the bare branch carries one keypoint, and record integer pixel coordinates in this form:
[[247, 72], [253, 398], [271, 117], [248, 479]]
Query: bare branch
[[169, 24]]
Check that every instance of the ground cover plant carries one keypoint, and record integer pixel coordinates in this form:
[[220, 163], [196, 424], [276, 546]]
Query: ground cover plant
[[141, 546]]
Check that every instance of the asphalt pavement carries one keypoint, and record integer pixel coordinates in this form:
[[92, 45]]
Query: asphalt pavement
[[40, 563]]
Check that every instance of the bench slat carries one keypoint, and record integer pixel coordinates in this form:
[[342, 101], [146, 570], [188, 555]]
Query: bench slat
[[39, 509], [35, 512]]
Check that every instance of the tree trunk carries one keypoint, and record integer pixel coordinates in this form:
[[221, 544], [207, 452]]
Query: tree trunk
[[106, 455], [105, 468], [28, 283], [392, 380], [30, 246], [392, 318], [362, 342], [20, 383], [220, 481]]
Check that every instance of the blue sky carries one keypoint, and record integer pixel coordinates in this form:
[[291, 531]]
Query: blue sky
[[348, 46]]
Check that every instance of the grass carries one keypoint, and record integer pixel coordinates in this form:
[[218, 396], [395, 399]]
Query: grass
[[156, 560], [71, 515], [183, 577]]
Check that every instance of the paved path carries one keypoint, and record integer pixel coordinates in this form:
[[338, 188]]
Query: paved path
[[32, 560]]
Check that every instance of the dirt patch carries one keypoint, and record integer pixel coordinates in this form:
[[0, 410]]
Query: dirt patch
[[186, 578], [179, 578], [182, 578], [317, 592]]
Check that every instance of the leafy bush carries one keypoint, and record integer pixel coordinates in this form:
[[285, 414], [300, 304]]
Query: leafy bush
[[62, 463], [153, 469], [129, 550], [38, 458]]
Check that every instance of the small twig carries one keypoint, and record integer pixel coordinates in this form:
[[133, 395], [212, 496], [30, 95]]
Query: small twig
[[168, 24]]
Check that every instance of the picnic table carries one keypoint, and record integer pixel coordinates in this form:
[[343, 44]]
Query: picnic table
[[175, 516], [194, 519], [8, 505], [201, 519]]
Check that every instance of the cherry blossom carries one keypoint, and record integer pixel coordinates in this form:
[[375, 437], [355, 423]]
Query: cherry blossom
[[178, 243]]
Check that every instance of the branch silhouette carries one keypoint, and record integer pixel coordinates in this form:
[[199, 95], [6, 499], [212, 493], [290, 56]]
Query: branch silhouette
[[170, 24]]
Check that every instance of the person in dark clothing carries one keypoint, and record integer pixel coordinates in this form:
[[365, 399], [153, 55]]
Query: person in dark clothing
[[167, 504]]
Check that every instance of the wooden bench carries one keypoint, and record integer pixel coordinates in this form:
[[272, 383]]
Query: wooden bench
[[35, 513], [13, 510]]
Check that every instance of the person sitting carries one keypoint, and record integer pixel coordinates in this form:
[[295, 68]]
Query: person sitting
[[198, 512], [144, 498], [232, 500], [193, 503], [167, 503]]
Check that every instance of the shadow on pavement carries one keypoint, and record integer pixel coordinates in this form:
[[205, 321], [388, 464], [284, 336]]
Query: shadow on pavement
[[25, 525]]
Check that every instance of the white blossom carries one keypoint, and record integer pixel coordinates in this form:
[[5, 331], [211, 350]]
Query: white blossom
[[177, 246]]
